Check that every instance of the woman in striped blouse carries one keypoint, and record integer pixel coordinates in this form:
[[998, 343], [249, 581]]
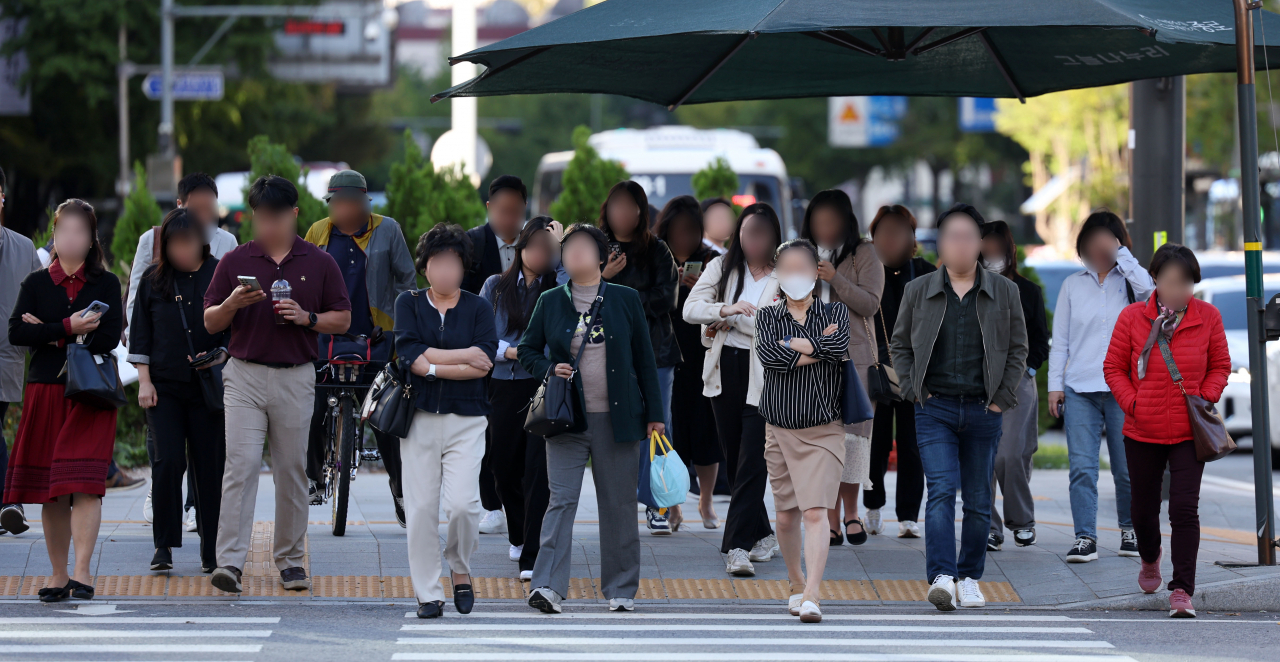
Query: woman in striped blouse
[[801, 343]]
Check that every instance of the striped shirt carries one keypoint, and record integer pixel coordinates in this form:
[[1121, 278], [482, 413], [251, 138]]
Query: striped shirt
[[796, 397]]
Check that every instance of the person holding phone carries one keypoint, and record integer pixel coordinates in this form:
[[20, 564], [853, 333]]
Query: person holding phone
[[693, 433], [63, 446]]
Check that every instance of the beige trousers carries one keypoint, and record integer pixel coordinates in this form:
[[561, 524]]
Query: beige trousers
[[441, 468], [264, 402]]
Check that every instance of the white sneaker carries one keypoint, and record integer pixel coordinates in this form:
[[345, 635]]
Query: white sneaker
[[147, 513], [493, 522], [873, 524], [971, 593], [622, 604], [514, 552], [943, 593], [793, 604], [526, 575], [191, 521], [809, 612], [764, 549], [739, 564], [908, 529], [545, 600]]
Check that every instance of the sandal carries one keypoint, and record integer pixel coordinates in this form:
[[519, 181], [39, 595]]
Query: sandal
[[859, 537], [836, 538], [55, 593], [80, 591]]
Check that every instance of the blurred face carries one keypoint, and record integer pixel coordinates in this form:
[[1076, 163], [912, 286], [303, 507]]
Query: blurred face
[[1173, 285], [444, 272], [71, 236], [959, 242], [894, 241], [718, 220], [275, 227], [347, 212], [185, 251], [684, 238], [622, 214], [827, 226], [1100, 249], [506, 212], [797, 273], [581, 257], [204, 204], [537, 254], [992, 250], [756, 236]]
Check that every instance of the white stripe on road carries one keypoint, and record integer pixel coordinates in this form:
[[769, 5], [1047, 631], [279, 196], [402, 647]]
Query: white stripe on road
[[150, 620], [796, 626], [706, 616], [744, 656], [132, 648], [726, 642], [130, 634]]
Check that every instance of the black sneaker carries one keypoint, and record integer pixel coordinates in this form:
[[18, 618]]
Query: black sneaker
[[295, 579], [13, 519], [1128, 543], [1083, 551], [399, 501], [314, 496], [1024, 537], [226, 578], [163, 560], [994, 542]]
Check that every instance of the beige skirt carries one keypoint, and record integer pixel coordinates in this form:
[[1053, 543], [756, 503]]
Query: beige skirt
[[805, 465]]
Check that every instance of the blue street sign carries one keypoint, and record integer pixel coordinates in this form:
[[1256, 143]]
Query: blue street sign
[[977, 115], [187, 86]]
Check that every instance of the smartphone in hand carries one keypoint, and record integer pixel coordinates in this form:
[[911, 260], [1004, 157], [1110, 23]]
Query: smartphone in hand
[[250, 282], [97, 307], [693, 267]]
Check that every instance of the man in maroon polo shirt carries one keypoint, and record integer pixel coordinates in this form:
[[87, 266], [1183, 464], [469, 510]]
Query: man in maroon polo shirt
[[269, 380]]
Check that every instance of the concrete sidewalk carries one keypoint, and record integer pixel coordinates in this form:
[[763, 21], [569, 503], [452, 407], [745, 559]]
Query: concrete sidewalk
[[371, 561]]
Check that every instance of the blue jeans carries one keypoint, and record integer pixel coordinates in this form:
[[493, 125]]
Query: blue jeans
[[666, 380], [958, 440], [1083, 417]]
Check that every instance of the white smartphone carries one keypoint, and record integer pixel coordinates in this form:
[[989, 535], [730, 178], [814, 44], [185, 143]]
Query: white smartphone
[[250, 282], [694, 268]]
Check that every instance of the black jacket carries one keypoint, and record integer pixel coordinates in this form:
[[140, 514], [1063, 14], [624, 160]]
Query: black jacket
[[48, 302], [468, 324], [156, 336], [485, 259], [654, 277], [1032, 297]]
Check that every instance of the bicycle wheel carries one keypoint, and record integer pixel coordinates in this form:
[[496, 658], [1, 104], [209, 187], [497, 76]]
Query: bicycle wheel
[[344, 434]]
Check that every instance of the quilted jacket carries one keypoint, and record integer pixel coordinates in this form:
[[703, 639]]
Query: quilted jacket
[[1155, 410]]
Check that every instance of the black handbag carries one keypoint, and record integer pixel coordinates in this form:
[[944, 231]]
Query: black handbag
[[553, 407], [882, 380], [211, 377], [93, 379], [389, 405]]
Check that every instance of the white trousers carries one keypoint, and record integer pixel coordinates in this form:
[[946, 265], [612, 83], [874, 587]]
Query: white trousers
[[441, 467]]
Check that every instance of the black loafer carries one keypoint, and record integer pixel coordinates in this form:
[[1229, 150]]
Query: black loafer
[[80, 591], [433, 609], [55, 593], [163, 560], [463, 598]]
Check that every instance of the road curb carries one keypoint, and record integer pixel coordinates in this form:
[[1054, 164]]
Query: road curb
[[1259, 593]]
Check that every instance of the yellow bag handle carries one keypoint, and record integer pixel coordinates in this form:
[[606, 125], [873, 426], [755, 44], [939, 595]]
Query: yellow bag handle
[[658, 442]]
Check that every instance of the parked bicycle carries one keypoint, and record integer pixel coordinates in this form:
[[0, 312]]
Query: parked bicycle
[[346, 378]]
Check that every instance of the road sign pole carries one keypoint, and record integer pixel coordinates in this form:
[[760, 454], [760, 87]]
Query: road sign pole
[[463, 109], [1264, 502], [167, 146]]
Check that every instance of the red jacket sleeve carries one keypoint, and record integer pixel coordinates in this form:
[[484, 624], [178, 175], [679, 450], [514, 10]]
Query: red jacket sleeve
[[1116, 368], [1219, 365]]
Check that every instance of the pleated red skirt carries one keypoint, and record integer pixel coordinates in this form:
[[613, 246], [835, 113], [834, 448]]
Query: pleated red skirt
[[62, 447]]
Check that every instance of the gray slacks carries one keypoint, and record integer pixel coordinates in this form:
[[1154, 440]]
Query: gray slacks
[[1018, 442], [613, 468]]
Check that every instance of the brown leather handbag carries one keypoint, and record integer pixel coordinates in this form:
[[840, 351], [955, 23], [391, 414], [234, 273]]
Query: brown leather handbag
[[1207, 429]]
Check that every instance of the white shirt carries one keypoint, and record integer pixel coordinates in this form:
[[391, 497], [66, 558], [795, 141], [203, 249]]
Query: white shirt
[[751, 291], [222, 244], [714, 246]]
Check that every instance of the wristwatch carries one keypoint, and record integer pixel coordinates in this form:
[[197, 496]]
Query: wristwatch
[[314, 319], [786, 341], [431, 372]]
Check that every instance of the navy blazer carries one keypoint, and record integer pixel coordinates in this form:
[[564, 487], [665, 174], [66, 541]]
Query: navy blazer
[[468, 324]]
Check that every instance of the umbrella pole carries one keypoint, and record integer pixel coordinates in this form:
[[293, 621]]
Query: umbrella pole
[[1264, 502]]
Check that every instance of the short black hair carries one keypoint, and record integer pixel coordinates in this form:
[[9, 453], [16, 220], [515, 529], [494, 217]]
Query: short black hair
[[441, 238], [1176, 254], [804, 244], [1103, 219], [193, 182], [596, 234], [508, 182], [961, 208], [273, 193]]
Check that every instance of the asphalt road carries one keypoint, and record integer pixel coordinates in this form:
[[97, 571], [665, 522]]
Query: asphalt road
[[376, 632]]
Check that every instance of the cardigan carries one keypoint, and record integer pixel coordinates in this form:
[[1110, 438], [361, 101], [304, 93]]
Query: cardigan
[[634, 397], [157, 336], [419, 327], [703, 307], [39, 296]]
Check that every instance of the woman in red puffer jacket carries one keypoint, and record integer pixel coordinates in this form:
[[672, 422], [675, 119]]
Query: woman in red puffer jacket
[[1157, 428]]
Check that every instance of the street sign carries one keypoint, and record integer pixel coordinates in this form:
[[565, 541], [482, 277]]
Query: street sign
[[977, 115], [864, 121], [187, 86]]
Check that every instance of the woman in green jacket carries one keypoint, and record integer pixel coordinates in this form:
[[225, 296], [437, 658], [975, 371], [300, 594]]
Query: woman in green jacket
[[619, 404]]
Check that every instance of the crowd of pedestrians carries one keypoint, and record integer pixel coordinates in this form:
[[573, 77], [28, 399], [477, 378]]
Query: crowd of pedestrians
[[699, 324]]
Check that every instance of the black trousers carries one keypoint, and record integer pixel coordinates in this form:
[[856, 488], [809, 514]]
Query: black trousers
[[317, 443], [519, 463], [187, 436], [740, 428], [910, 491], [150, 443], [4, 450], [490, 496]]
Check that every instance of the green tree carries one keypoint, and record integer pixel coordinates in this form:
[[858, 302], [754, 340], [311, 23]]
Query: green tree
[[141, 213], [586, 182], [268, 158], [717, 180], [419, 196]]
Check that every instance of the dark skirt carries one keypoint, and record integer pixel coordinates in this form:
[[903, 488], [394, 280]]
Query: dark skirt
[[694, 425], [62, 447]]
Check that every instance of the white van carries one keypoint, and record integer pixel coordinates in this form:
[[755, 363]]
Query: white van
[[663, 160]]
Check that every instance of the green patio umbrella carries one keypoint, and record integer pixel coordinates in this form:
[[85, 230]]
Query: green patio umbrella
[[674, 52]]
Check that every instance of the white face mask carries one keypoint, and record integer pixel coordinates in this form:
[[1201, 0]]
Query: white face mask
[[994, 266], [797, 286]]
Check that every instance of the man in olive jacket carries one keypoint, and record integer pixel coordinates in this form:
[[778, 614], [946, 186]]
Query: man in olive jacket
[[960, 349]]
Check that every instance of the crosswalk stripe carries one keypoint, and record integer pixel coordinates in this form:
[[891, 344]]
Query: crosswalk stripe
[[128, 634], [637, 615], [132, 648], [796, 626], [731, 642], [746, 656], [147, 620]]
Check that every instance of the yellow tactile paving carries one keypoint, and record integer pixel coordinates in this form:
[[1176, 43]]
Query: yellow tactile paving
[[131, 585], [9, 586]]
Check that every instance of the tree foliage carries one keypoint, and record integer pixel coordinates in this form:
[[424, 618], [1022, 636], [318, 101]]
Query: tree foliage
[[586, 181], [268, 158], [419, 196], [717, 180], [141, 213]]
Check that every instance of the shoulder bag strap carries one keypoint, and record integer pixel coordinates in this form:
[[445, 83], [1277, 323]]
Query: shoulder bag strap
[[880, 310], [1168, 362], [182, 315], [591, 316], [1128, 289]]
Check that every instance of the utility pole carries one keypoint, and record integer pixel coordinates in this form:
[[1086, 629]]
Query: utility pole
[[1157, 166], [122, 92], [463, 110], [166, 144]]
